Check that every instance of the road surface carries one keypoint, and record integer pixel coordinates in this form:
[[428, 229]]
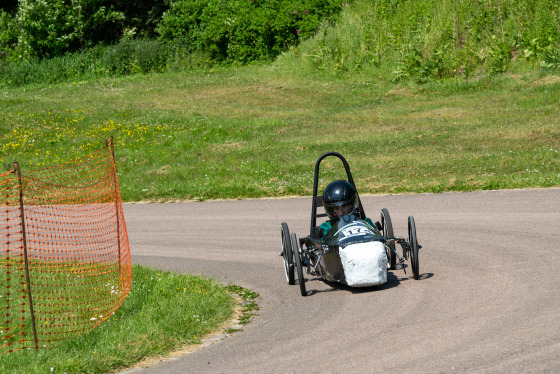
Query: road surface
[[487, 301]]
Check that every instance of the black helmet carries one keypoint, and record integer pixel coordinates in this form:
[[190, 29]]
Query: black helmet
[[338, 194]]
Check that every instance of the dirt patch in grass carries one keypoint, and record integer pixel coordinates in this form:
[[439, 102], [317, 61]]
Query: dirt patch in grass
[[550, 79]]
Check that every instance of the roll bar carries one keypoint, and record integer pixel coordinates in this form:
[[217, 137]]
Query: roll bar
[[318, 200]]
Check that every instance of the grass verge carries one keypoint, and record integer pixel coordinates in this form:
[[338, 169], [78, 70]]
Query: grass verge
[[164, 312], [257, 131]]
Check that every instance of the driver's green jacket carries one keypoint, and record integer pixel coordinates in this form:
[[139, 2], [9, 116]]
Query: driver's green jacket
[[326, 226]]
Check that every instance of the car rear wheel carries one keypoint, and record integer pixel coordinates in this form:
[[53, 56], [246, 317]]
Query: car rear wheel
[[287, 254], [387, 228]]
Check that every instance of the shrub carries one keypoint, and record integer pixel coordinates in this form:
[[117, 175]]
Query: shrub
[[551, 58], [181, 22], [135, 56], [48, 27], [8, 34], [244, 30], [53, 27]]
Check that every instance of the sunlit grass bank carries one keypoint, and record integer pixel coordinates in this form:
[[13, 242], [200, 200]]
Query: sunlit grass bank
[[257, 131], [164, 311]]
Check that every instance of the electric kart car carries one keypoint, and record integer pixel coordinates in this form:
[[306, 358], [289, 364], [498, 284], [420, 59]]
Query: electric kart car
[[352, 252]]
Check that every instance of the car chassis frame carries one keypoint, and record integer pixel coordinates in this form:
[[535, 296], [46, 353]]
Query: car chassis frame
[[309, 252]]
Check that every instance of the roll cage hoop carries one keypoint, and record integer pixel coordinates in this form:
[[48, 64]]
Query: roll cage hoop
[[318, 199]]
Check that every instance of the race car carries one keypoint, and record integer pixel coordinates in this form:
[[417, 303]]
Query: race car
[[354, 251]]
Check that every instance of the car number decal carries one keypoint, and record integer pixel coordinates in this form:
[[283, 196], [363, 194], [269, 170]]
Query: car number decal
[[354, 230]]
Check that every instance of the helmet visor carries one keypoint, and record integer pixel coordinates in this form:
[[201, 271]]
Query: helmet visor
[[340, 209]]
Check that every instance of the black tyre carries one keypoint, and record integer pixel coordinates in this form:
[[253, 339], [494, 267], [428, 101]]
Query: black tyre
[[299, 268], [387, 228], [413, 242], [287, 254]]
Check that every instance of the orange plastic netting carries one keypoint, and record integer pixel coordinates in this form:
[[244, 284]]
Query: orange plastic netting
[[68, 231]]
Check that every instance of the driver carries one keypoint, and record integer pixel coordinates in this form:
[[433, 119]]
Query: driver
[[339, 199]]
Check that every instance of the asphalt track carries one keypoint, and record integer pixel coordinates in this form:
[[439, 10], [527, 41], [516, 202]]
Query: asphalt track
[[487, 301]]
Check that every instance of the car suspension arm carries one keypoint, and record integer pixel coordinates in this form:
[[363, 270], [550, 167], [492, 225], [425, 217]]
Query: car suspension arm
[[404, 246]]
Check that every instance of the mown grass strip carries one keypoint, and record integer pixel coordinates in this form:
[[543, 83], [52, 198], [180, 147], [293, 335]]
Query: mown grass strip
[[257, 131]]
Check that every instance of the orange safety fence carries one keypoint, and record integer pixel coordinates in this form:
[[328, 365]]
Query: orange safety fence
[[65, 263]]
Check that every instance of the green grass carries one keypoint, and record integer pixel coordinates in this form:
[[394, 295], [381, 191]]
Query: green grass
[[454, 122], [163, 312], [69, 299], [257, 131]]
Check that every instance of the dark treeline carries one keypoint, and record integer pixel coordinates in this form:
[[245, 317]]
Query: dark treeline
[[240, 30]]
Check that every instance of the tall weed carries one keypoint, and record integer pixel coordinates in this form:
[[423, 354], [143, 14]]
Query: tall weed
[[437, 39], [136, 56], [127, 57]]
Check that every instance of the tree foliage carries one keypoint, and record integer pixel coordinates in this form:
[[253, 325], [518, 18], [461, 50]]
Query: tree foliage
[[49, 28], [9, 6], [420, 39], [230, 30], [244, 30]]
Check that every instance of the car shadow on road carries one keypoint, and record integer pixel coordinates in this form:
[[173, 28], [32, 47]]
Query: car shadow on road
[[405, 273], [392, 281]]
